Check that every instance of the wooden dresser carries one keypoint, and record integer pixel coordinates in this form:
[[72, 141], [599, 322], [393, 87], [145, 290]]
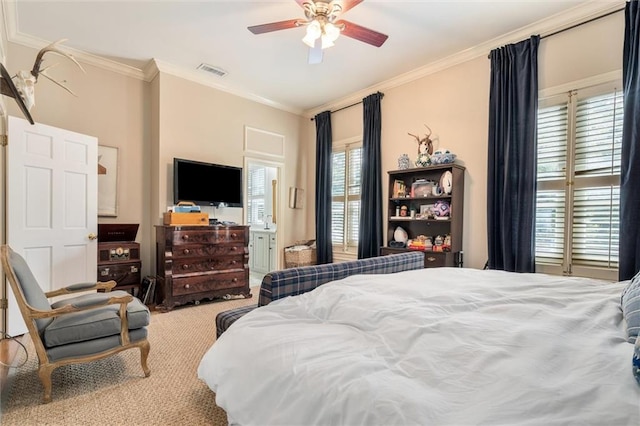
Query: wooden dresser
[[201, 262]]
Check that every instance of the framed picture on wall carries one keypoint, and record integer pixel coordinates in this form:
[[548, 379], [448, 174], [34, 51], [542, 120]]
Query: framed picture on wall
[[107, 181], [296, 198]]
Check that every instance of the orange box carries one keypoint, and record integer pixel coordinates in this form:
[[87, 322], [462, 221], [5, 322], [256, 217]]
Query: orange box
[[172, 218]]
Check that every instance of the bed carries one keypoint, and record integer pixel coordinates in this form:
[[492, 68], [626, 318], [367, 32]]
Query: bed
[[444, 346]]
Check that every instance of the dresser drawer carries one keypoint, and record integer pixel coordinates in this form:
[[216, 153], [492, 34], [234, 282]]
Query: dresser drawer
[[208, 282], [213, 236], [220, 263], [434, 260], [205, 251]]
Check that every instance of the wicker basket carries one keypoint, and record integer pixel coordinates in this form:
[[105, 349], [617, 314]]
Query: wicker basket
[[294, 258]]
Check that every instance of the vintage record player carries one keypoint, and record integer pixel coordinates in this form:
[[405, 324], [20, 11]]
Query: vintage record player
[[119, 255]]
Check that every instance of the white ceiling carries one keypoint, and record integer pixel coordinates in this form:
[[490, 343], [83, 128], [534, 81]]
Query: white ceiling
[[273, 67]]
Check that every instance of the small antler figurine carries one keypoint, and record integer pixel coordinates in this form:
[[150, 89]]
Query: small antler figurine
[[425, 145], [24, 85]]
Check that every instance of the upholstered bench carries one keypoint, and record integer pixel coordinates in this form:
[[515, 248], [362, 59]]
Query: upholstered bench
[[292, 282]]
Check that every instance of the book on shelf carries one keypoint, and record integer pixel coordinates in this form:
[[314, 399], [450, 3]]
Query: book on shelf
[[399, 189]]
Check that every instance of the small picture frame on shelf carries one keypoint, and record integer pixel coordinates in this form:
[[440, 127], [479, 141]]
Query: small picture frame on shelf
[[426, 211]]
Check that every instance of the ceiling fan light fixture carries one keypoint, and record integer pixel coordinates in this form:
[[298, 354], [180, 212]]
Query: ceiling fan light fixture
[[314, 31], [327, 32]]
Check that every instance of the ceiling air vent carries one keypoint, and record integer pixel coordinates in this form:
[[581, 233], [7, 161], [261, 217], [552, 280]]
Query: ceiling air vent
[[213, 70]]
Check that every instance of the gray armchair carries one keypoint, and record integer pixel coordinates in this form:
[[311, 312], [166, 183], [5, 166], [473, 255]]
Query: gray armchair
[[78, 329]]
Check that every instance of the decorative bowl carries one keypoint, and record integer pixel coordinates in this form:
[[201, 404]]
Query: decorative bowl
[[443, 157]]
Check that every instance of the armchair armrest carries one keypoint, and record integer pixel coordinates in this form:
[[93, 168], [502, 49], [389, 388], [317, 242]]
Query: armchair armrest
[[79, 307], [123, 301], [75, 288]]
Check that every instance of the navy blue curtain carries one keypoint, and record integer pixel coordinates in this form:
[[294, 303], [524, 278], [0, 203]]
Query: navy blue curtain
[[629, 249], [511, 180], [370, 237], [324, 250]]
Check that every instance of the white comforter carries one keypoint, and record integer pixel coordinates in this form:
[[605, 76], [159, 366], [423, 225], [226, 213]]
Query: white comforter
[[433, 346]]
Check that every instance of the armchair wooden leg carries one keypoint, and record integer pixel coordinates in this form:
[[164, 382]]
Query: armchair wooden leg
[[144, 354], [45, 377]]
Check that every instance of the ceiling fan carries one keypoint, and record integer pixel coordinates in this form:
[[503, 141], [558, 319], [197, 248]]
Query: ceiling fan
[[323, 26]]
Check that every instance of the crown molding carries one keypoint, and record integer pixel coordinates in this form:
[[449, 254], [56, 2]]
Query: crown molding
[[204, 79], [560, 21]]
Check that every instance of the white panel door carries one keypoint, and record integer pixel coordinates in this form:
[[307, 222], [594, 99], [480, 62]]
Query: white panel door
[[52, 202]]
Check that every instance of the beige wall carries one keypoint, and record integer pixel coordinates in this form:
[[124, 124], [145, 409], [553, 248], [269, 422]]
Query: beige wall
[[454, 104], [201, 123]]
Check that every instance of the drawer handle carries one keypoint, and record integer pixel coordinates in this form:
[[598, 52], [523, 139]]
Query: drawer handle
[[185, 237], [186, 286], [234, 248], [235, 280], [186, 266], [431, 259], [234, 235], [186, 251], [234, 262]]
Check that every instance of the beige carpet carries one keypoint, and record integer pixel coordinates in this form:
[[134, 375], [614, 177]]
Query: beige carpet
[[114, 391]]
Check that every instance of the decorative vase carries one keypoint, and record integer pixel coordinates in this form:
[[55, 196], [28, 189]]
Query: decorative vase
[[400, 235], [404, 162], [423, 160]]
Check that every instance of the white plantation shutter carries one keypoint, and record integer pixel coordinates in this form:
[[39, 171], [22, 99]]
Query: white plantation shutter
[[553, 133], [597, 181], [338, 173], [550, 213], [552, 142], [578, 197], [256, 187], [353, 205], [345, 193], [595, 226]]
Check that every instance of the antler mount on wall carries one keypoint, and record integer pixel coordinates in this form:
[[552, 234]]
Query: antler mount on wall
[[23, 88]]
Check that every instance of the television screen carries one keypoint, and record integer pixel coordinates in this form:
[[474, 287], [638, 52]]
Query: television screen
[[206, 183]]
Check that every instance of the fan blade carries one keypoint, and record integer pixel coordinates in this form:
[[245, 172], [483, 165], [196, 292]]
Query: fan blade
[[348, 4], [315, 53], [363, 34], [274, 26]]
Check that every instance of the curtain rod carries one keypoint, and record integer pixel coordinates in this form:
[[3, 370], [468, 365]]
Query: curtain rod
[[349, 106], [578, 24]]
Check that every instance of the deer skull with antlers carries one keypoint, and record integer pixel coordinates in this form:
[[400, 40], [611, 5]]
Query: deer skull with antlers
[[23, 83], [425, 145]]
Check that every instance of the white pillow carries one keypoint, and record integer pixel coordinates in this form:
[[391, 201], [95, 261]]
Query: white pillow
[[630, 302]]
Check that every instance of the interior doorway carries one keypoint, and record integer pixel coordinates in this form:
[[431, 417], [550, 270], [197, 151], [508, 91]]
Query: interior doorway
[[263, 191]]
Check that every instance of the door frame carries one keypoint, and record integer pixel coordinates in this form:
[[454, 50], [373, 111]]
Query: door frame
[[280, 197], [4, 296]]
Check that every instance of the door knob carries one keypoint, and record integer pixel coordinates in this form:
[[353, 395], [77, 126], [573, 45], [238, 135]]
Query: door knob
[[92, 236]]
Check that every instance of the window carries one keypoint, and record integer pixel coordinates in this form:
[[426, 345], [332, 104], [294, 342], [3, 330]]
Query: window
[[578, 178], [345, 197]]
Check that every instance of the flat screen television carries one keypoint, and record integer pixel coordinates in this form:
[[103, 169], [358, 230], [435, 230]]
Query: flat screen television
[[206, 183]]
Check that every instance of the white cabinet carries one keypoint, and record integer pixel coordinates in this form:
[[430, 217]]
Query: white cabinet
[[262, 256]]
